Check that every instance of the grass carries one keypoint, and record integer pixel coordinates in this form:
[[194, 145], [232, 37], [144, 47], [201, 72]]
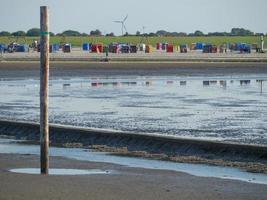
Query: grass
[[78, 41]]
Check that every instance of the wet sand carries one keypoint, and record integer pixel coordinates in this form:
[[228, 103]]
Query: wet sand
[[86, 69], [123, 183]]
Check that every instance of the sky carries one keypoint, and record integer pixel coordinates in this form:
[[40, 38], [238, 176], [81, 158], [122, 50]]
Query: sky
[[170, 15]]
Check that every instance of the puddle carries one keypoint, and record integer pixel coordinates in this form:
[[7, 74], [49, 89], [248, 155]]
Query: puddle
[[60, 171], [87, 155]]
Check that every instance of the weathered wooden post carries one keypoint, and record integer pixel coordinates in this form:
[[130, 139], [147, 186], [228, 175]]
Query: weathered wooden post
[[44, 90]]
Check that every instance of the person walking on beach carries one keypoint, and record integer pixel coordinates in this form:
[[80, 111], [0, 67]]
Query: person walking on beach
[[262, 43]]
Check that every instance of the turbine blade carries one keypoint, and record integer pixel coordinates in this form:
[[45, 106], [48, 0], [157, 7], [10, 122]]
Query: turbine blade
[[125, 18]]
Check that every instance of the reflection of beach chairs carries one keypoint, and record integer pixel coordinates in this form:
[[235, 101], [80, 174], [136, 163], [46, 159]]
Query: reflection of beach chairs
[[206, 83], [245, 82], [182, 83]]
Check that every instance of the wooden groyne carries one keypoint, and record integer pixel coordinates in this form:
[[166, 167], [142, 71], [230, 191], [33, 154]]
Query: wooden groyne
[[173, 146]]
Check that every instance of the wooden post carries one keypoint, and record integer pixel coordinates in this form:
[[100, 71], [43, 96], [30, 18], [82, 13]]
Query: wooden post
[[44, 90]]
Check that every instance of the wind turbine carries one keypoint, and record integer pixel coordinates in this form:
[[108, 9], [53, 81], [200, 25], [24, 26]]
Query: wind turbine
[[143, 28], [144, 38], [123, 27]]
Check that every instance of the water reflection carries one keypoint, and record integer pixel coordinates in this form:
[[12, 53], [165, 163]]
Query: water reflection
[[209, 83], [223, 84], [244, 82], [66, 85], [206, 83], [114, 84], [103, 83], [148, 83], [182, 83], [261, 85], [170, 82], [213, 82]]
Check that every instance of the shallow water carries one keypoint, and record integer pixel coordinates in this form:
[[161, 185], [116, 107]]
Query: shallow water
[[87, 155], [216, 108]]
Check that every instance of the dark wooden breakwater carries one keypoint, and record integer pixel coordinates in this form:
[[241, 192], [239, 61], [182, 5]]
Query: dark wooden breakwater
[[173, 146]]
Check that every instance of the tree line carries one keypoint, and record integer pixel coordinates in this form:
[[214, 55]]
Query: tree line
[[34, 32], [233, 32]]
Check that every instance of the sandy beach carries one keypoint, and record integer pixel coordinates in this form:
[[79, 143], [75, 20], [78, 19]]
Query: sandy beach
[[156, 56], [122, 183]]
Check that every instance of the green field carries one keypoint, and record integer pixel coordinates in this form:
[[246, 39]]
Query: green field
[[78, 41]]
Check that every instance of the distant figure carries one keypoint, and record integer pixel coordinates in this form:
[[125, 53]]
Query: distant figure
[[262, 43], [106, 51], [34, 45]]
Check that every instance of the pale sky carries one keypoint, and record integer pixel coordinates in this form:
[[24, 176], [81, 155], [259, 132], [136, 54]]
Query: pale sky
[[171, 15]]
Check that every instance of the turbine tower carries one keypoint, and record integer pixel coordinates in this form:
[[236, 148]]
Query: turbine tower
[[122, 22]]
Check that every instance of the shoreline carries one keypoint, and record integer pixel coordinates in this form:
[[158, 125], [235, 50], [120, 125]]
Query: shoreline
[[103, 60], [251, 158], [124, 183], [257, 167]]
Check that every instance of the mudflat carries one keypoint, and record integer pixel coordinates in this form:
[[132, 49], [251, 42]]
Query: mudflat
[[123, 183], [86, 69]]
